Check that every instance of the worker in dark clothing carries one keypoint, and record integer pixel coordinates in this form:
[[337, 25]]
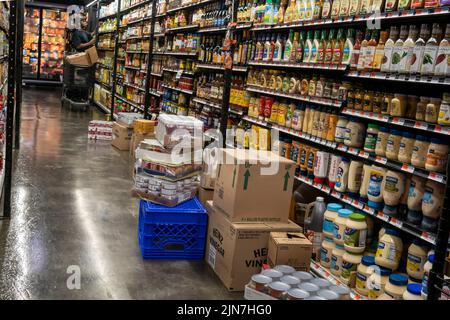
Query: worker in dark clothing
[[81, 39]]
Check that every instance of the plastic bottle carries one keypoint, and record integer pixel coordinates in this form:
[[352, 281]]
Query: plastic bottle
[[416, 191], [374, 191], [342, 175], [392, 189], [426, 275], [314, 226]]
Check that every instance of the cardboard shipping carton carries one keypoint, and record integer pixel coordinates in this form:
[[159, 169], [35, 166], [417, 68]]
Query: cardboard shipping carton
[[236, 251], [84, 59], [121, 137], [291, 248], [248, 191], [136, 139], [205, 195]]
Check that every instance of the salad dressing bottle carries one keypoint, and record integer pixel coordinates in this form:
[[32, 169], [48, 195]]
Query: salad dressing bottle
[[363, 51], [308, 47], [329, 48], [441, 67], [419, 48], [388, 49], [398, 49], [430, 52], [407, 51], [354, 57], [379, 51], [338, 47], [370, 51]]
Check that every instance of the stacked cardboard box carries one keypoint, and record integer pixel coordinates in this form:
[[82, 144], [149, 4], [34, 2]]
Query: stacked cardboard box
[[100, 130], [123, 130], [250, 201], [209, 174], [142, 130]]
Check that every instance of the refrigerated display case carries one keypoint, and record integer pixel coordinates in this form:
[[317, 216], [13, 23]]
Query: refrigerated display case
[[44, 42]]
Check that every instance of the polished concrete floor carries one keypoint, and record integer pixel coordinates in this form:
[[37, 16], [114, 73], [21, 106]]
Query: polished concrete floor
[[72, 210]]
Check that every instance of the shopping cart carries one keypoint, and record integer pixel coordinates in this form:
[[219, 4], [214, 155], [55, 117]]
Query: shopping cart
[[77, 86]]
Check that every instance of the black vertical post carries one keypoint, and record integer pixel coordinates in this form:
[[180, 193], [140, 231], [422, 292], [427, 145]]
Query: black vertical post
[[440, 251], [10, 107], [227, 79], [97, 24], [150, 62], [19, 52], [41, 21], [116, 52]]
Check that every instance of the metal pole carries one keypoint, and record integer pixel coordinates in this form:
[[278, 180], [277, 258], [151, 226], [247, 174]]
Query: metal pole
[[97, 24], [19, 50], [149, 63], [227, 79], [41, 21], [10, 107], [116, 52], [440, 251]]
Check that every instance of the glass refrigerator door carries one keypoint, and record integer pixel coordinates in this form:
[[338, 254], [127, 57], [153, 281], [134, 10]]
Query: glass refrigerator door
[[52, 44], [31, 43]]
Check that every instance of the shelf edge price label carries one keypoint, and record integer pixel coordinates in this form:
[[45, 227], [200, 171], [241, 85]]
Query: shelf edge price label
[[406, 167], [352, 151], [341, 147], [436, 177], [398, 121], [380, 159], [335, 194], [382, 216], [420, 125], [364, 154], [396, 223], [428, 237], [368, 209]]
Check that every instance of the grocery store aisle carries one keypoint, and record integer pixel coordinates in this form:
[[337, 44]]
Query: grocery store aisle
[[72, 209]]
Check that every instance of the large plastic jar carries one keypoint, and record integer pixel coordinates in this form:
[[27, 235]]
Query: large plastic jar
[[396, 286], [328, 219], [354, 178], [325, 251], [389, 251], [371, 138], [374, 191], [426, 275], [420, 151], [342, 175], [406, 147], [393, 144], [416, 259], [336, 259], [412, 292], [398, 105], [382, 138], [432, 202], [377, 281], [339, 225], [341, 128], [354, 134], [437, 155], [350, 262], [355, 233], [393, 189], [363, 272]]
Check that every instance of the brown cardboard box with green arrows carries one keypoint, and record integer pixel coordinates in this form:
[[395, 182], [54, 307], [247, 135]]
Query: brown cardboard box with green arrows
[[254, 186]]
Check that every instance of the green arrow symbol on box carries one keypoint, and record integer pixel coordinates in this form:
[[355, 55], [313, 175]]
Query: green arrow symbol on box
[[246, 176], [286, 180], [234, 176]]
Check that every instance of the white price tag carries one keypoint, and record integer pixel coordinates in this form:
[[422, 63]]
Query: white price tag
[[364, 154], [420, 125], [369, 210], [335, 194], [342, 147], [396, 223], [179, 73], [382, 216], [352, 151], [381, 160], [406, 167], [436, 177], [398, 121], [428, 237]]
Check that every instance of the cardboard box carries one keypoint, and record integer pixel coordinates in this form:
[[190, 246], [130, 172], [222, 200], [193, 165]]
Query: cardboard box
[[210, 167], [293, 249], [247, 191], [84, 59], [138, 138], [121, 137], [144, 126], [236, 251], [205, 195]]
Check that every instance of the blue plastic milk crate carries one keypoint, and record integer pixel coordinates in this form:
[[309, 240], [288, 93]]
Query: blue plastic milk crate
[[172, 233]]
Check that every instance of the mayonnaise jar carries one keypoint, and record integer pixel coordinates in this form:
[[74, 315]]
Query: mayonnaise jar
[[396, 286], [325, 251], [336, 259], [355, 233], [393, 145], [420, 151], [382, 138], [426, 275], [363, 272], [349, 266], [329, 216], [406, 147], [416, 259], [389, 251], [374, 191], [412, 292], [377, 281], [339, 225], [437, 155]]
